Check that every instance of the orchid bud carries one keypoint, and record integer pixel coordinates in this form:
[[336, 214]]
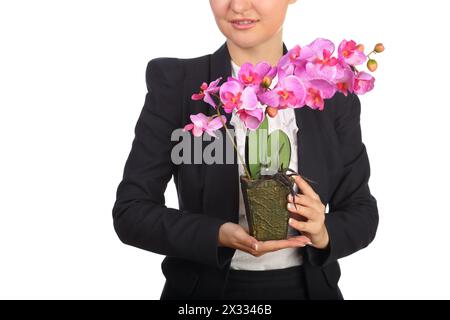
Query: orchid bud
[[372, 65], [266, 82], [360, 47], [271, 111], [379, 48]]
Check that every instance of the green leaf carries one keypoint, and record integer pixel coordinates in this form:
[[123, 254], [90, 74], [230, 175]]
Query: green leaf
[[256, 148], [279, 142]]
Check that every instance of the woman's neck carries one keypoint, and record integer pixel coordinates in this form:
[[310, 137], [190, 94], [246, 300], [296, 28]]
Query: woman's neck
[[270, 51]]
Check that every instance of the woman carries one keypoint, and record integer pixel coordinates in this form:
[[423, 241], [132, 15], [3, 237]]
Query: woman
[[209, 253]]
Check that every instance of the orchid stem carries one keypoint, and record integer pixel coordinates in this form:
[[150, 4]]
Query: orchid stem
[[232, 141]]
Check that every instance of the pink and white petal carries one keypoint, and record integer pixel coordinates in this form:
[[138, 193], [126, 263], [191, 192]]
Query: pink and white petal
[[245, 69], [188, 127], [213, 84], [263, 68], [364, 84], [254, 118], [252, 122], [233, 87], [282, 74], [249, 98], [356, 58], [341, 47], [197, 96], [306, 53], [197, 132], [209, 100], [272, 72], [292, 83], [269, 98], [321, 44], [216, 123], [326, 88], [228, 107], [318, 71], [199, 120], [364, 76]]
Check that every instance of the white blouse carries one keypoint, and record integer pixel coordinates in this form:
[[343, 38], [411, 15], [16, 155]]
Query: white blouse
[[285, 258]]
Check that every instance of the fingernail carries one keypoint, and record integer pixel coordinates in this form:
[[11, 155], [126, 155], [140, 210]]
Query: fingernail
[[290, 197], [290, 206], [310, 243], [290, 220], [255, 246]]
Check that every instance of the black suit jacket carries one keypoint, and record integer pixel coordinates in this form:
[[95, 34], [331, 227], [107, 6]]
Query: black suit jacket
[[330, 152]]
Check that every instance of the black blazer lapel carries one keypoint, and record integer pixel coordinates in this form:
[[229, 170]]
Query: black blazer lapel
[[221, 189]]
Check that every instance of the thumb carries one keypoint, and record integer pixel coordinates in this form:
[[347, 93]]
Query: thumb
[[246, 239], [250, 242]]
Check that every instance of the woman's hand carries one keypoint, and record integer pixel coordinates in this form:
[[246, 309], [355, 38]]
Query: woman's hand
[[310, 207], [232, 235]]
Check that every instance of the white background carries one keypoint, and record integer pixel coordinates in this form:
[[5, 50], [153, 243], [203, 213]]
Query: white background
[[72, 84]]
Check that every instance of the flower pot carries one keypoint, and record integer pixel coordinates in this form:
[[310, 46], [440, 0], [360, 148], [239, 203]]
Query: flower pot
[[265, 207]]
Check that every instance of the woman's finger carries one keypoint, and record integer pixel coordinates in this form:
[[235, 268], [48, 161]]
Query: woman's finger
[[301, 210], [245, 249], [251, 243], [302, 199], [247, 240], [305, 187], [273, 245], [302, 226], [302, 238], [306, 201]]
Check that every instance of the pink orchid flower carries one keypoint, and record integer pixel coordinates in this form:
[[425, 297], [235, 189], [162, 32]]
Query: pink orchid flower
[[206, 91], [318, 47], [253, 76], [233, 96], [350, 53], [289, 61], [289, 92], [317, 91], [321, 64], [364, 82], [306, 76], [201, 123], [252, 118], [244, 100], [345, 79], [295, 58]]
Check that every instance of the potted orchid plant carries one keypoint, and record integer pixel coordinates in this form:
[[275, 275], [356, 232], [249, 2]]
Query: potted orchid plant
[[307, 76]]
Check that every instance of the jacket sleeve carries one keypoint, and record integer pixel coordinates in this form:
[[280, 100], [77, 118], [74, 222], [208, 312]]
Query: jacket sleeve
[[352, 220], [140, 216]]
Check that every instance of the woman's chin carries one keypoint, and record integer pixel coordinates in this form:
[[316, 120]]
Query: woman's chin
[[245, 41]]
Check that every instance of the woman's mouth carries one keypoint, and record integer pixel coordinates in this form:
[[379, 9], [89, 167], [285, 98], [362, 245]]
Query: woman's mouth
[[242, 24]]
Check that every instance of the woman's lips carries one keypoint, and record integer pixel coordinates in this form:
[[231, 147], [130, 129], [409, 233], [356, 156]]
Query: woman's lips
[[243, 24]]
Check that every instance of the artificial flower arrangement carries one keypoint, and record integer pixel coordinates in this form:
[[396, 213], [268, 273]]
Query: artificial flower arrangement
[[307, 76]]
